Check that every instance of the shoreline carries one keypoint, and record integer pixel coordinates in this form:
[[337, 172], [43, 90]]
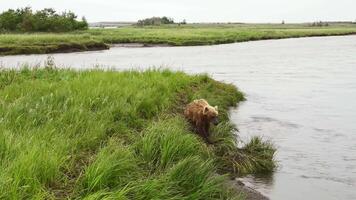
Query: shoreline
[[98, 46], [249, 193], [148, 45]]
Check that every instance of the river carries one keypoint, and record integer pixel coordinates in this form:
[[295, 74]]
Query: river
[[301, 95]]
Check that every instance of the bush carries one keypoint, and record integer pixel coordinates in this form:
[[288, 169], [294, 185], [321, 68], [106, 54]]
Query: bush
[[46, 20], [319, 24], [155, 21]]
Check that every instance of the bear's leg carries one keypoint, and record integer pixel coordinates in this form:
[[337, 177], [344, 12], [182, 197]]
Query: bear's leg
[[200, 129], [193, 126], [206, 133]]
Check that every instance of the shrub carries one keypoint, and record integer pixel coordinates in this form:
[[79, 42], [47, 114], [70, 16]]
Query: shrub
[[155, 21], [319, 24], [46, 20]]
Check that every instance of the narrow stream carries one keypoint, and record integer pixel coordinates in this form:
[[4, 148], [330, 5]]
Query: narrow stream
[[301, 95]]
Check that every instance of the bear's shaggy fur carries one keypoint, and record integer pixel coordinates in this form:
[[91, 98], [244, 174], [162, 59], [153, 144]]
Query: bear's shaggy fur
[[201, 114]]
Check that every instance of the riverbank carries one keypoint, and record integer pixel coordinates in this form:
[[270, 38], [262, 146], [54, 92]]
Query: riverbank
[[95, 134], [173, 35]]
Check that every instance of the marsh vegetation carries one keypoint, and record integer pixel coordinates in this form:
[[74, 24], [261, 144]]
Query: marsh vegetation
[[104, 134]]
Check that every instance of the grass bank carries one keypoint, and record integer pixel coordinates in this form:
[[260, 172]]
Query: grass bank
[[117, 135], [184, 35]]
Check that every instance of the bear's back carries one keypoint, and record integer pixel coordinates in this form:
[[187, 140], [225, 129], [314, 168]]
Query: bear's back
[[194, 110]]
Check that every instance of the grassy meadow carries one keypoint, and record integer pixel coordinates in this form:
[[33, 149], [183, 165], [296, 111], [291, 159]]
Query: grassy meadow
[[176, 35], [117, 135]]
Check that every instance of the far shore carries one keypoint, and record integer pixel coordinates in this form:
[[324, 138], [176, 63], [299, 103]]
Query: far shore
[[165, 35]]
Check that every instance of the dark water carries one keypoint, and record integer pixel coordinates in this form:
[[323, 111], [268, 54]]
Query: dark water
[[301, 95]]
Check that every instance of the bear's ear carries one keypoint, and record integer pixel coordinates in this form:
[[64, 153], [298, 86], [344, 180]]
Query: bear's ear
[[216, 107], [206, 109]]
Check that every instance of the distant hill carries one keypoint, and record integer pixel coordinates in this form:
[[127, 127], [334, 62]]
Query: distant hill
[[109, 24]]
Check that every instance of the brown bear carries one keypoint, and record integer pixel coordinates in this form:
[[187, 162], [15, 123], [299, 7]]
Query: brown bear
[[201, 114]]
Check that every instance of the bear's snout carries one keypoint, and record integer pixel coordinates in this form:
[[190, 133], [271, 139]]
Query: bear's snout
[[215, 121]]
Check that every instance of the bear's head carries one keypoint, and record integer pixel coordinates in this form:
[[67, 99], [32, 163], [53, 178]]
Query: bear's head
[[211, 113]]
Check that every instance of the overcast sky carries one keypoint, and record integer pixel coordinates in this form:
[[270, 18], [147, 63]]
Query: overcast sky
[[200, 10]]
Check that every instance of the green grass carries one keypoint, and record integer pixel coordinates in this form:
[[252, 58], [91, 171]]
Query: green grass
[[184, 35], [117, 135]]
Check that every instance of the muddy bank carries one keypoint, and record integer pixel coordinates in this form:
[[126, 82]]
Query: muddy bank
[[57, 48], [69, 48], [139, 45]]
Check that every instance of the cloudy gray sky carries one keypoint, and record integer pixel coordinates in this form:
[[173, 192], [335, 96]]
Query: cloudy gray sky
[[200, 10]]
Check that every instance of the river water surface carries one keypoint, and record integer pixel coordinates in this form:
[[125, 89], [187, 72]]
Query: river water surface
[[301, 95]]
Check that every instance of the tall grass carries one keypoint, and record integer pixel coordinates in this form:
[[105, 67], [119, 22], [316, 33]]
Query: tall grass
[[114, 135], [114, 166], [167, 142]]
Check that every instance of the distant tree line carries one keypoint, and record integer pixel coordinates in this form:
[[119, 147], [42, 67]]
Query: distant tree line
[[46, 20], [319, 24], [155, 21]]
